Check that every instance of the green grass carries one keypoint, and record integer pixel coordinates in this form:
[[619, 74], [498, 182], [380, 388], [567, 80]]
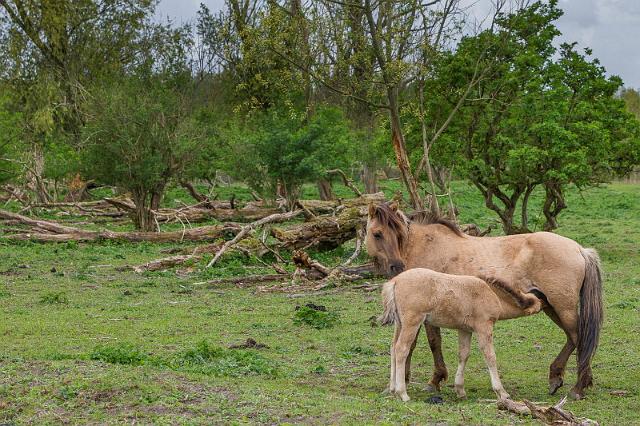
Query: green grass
[[82, 342]]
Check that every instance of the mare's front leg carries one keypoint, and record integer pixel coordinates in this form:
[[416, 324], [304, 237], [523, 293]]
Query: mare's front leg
[[485, 341], [439, 368]]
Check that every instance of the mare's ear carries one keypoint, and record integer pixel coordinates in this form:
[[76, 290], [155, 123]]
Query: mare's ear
[[372, 210], [393, 206]]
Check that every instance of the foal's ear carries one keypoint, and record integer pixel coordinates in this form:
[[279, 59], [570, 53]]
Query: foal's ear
[[372, 210], [393, 206]]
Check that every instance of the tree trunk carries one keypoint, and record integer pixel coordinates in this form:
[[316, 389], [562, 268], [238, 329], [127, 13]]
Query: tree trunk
[[325, 190], [400, 149], [525, 207], [142, 216], [370, 179], [35, 175], [553, 205]]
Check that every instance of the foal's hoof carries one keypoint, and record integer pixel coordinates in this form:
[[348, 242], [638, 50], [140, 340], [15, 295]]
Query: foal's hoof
[[576, 395], [555, 384]]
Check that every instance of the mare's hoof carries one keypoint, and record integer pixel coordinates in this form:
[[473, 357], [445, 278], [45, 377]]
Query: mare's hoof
[[554, 385], [404, 397], [436, 399], [432, 388]]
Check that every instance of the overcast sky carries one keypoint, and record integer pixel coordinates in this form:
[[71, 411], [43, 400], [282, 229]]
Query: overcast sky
[[610, 27]]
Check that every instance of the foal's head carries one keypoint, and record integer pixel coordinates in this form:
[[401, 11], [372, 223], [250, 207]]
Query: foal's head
[[386, 237]]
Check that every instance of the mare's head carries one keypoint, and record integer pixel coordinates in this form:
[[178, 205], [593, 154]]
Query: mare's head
[[386, 237]]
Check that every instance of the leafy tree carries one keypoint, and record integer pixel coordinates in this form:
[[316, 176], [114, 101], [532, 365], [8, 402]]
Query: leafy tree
[[9, 140], [631, 98], [140, 136], [284, 151], [536, 120], [52, 54]]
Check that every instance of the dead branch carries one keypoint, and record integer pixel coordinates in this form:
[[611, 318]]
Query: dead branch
[[347, 182], [556, 415], [280, 217], [249, 279], [356, 252]]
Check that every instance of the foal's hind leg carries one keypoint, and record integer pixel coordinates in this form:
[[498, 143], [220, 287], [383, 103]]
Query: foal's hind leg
[[392, 378], [464, 347], [485, 341], [557, 368]]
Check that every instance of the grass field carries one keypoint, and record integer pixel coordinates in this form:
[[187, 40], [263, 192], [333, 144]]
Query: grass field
[[81, 342]]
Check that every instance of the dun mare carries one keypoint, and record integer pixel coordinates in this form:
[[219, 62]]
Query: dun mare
[[567, 275], [464, 303]]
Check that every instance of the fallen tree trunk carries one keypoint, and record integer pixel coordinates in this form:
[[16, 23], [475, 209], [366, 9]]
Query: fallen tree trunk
[[325, 232], [46, 231], [328, 207], [203, 211]]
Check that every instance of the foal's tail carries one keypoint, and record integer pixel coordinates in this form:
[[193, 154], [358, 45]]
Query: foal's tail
[[390, 310], [591, 314]]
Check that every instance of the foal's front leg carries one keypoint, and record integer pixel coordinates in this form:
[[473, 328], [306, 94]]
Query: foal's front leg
[[440, 369], [401, 348]]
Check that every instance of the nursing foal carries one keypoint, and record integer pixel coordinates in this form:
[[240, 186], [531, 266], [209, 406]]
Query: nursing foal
[[464, 303]]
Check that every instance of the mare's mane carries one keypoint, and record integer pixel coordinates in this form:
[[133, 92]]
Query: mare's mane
[[422, 217], [398, 222]]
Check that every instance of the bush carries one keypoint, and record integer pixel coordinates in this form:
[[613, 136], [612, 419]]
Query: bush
[[314, 317], [216, 361], [126, 354], [53, 298]]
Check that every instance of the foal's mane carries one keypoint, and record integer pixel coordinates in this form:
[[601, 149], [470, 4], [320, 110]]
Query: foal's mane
[[422, 217]]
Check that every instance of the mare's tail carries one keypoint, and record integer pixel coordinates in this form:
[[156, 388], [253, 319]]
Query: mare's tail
[[390, 311], [590, 316]]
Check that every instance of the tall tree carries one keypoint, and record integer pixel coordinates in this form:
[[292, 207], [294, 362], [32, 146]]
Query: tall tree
[[538, 120]]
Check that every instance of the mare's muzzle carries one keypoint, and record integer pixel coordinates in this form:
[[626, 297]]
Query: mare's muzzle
[[396, 267]]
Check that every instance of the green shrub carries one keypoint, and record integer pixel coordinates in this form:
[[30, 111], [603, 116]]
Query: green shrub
[[216, 361], [119, 354], [314, 317], [53, 298]]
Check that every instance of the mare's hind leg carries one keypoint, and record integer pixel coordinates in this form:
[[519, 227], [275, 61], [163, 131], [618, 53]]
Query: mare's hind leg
[[556, 370], [408, 331], [464, 347], [485, 341], [407, 372], [439, 367], [569, 321]]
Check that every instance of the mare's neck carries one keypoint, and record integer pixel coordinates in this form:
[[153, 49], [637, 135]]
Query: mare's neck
[[428, 245]]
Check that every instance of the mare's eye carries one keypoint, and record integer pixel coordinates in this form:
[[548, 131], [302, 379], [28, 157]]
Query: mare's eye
[[377, 235]]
